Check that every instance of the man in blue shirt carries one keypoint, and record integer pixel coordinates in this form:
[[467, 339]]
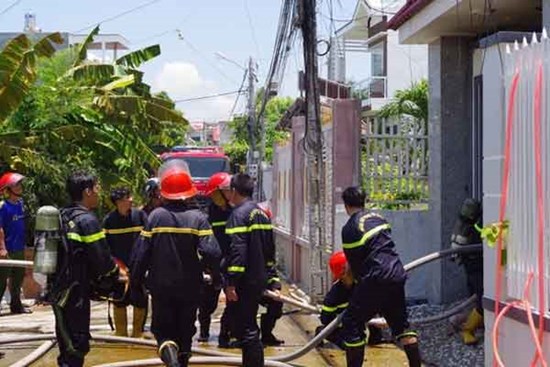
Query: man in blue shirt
[[12, 238]]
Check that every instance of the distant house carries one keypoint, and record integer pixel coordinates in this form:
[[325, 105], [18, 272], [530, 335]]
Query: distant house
[[470, 83], [103, 43], [393, 66]]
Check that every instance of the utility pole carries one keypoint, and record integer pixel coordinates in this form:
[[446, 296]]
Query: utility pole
[[252, 166], [319, 249]]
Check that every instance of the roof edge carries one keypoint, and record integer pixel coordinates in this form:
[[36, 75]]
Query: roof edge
[[407, 12]]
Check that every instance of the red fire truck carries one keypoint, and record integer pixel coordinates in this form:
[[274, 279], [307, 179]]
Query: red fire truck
[[203, 162]]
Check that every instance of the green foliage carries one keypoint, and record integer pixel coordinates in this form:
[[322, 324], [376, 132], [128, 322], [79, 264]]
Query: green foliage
[[412, 102], [237, 149], [100, 117], [18, 69]]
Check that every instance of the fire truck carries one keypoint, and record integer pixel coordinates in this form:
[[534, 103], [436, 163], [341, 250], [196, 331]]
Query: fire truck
[[203, 162]]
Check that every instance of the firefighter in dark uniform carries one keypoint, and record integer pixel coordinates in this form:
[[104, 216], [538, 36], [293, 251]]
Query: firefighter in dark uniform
[[337, 300], [152, 195], [218, 190], [84, 267], [251, 249], [122, 227], [174, 246], [380, 277], [465, 234]]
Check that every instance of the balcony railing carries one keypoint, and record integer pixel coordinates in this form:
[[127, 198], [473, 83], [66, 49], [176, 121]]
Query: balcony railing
[[373, 87]]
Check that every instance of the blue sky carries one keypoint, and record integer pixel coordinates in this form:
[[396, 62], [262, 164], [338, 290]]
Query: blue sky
[[208, 25]]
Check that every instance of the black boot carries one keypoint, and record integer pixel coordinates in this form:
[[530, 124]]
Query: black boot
[[253, 354], [413, 354], [183, 359], [375, 336], [355, 356], [267, 324], [204, 331], [169, 354]]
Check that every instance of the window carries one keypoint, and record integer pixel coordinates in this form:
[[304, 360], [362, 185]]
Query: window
[[204, 167], [378, 62]]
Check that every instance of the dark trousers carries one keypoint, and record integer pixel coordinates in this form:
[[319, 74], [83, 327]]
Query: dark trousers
[[246, 309], [369, 298], [16, 276], [174, 320], [473, 265], [72, 330], [227, 322], [207, 305], [268, 319]]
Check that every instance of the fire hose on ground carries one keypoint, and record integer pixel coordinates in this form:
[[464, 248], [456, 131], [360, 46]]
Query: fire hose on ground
[[223, 357]]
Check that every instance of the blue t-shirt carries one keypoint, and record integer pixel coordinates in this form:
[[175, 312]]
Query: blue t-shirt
[[12, 221]]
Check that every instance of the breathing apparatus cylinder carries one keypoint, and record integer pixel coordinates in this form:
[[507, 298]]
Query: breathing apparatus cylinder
[[47, 238]]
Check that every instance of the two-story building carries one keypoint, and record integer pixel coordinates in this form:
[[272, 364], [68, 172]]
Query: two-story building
[[487, 70], [393, 66]]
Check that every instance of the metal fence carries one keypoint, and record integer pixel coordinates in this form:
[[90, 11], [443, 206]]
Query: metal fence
[[395, 162]]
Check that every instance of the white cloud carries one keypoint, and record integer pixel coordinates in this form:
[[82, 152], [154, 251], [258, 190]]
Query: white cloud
[[182, 80]]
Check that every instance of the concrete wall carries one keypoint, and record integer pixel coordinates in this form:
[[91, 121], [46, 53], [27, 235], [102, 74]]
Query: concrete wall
[[406, 63], [413, 239], [450, 142]]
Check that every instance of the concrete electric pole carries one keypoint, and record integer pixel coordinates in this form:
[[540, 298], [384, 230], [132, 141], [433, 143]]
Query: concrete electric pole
[[319, 248], [252, 164]]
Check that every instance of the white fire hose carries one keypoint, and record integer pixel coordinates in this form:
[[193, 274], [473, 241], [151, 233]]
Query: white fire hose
[[227, 358]]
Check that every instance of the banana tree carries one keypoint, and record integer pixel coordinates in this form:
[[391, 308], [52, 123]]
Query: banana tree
[[18, 68]]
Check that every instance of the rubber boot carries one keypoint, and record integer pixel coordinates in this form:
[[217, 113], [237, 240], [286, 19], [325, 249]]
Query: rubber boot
[[253, 354], [355, 357], [224, 338], [183, 359], [204, 331], [413, 354], [168, 353], [474, 321], [267, 324], [138, 322], [121, 321]]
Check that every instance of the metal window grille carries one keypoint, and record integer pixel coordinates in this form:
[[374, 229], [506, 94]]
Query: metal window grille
[[395, 162], [527, 64]]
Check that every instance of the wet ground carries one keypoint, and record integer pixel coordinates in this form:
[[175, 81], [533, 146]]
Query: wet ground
[[295, 329]]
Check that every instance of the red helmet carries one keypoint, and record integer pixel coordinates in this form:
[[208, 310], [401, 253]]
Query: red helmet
[[264, 205], [9, 179], [176, 184], [218, 181], [337, 264]]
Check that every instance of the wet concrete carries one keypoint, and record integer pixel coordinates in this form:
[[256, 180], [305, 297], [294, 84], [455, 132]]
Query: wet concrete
[[296, 330]]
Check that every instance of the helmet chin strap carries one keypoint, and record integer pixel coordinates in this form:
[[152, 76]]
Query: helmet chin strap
[[14, 193]]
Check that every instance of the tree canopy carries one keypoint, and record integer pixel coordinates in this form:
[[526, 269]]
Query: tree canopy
[[60, 112], [238, 147]]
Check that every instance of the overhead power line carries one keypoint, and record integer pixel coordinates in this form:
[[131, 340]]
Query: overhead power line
[[119, 15], [10, 7], [207, 96], [252, 30]]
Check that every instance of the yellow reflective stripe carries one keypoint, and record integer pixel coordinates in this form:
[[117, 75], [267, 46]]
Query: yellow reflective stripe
[[176, 230], [218, 224], [355, 345], [236, 269], [123, 230], [147, 234], [270, 263], [272, 280], [254, 227], [86, 239], [366, 236], [236, 230], [335, 308], [406, 334]]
